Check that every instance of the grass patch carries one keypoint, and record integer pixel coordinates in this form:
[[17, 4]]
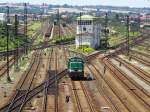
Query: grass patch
[[141, 48], [38, 41], [33, 28], [12, 42], [23, 62], [134, 34], [118, 34], [114, 40], [63, 39]]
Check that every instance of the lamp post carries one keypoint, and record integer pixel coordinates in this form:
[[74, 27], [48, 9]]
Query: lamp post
[[7, 34]]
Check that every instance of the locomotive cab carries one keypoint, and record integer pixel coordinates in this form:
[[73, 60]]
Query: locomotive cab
[[76, 67]]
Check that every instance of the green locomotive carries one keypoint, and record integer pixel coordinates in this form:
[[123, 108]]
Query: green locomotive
[[76, 67]]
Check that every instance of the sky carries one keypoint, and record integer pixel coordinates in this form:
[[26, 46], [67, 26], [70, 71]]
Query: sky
[[130, 3]]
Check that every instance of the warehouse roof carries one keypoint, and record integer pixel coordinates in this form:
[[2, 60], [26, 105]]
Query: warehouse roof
[[86, 17]]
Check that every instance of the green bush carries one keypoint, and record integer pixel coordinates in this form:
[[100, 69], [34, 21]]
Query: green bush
[[85, 49], [63, 39]]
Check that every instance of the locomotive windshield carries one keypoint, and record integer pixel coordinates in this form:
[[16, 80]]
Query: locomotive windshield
[[76, 65]]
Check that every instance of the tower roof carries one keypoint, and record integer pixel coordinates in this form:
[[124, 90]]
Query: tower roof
[[86, 17]]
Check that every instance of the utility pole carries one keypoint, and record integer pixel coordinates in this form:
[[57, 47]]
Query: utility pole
[[16, 25], [58, 21], [16, 34], [7, 33], [25, 27], [127, 25], [106, 30], [80, 35], [139, 22], [43, 8]]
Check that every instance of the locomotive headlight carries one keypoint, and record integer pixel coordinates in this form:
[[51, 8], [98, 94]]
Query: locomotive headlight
[[79, 70], [71, 70]]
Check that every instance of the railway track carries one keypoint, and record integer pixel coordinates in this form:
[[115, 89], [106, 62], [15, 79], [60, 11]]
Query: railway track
[[47, 35], [52, 72], [3, 67], [21, 49], [66, 31], [57, 31], [72, 28], [25, 85], [145, 45], [22, 94], [56, 82], [108, 93], [141, 60], [80, 107], [127, 107], [11, 52], [135, 52], [46, 84], [143, 95], [87, 97], [112, 99], [78, 93], [138, 92], [123, 99], [122, 47], [139, 72], [36, 90]]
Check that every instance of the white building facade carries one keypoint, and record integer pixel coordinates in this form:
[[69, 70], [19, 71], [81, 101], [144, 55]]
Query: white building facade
[[2, 16], [88, 32]]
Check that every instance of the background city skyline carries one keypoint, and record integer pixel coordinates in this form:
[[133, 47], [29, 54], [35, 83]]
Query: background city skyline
[[129, 3]]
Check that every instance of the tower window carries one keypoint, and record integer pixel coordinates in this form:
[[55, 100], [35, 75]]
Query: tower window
[[84, 29]]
